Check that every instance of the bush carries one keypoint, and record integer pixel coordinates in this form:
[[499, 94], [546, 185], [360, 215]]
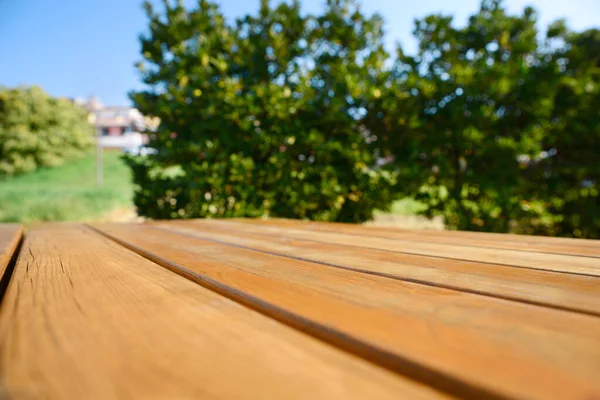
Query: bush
[[497, 128], [37, 130], [261, 117], [491, 125], [568, 176]]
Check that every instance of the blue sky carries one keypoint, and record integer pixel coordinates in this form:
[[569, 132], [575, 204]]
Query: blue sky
[[88, 47]]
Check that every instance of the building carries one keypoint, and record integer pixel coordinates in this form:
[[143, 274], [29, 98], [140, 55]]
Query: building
[[116, 126]]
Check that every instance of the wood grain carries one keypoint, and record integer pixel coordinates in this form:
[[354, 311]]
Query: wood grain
[[565, 291], [468, 345], [370, 229], [514, 258], [10, 236], [84, 318], [577, 247]]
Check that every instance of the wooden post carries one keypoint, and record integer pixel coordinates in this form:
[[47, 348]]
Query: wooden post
[[98, 160]]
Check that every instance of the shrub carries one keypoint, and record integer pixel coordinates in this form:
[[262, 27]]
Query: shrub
[[37, 130], [261, 117]]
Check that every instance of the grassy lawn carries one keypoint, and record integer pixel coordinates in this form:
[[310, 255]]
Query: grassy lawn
[[66, 193], [404, 214], [69, 193], [405, 207]]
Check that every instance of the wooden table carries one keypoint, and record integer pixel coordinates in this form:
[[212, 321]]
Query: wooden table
[[249, 309]]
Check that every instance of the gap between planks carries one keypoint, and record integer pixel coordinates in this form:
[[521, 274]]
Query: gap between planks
[[11, 240], [10, 237]]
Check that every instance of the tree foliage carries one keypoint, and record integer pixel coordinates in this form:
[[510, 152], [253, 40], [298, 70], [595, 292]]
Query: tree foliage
[[479, 98], [570, 173], [492, 125], [37, 130], [494, 128], [260, 117]]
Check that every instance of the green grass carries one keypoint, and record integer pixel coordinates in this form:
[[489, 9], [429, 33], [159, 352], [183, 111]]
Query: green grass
[[69, 193], [404, 207], [66, 193]]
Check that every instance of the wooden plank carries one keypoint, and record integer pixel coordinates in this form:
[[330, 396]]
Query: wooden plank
[[468, 345], [577, 293], [577, 247], [84, 318], [488, 236], [500, 237], [10, 236], [514, 258]]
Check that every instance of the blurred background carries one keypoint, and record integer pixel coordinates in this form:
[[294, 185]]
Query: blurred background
[[469, 115]]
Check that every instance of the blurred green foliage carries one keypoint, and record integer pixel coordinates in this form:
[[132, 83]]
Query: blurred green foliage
[[37, 130], [492, 125], [261, 117], [570, 178], [495, 126]]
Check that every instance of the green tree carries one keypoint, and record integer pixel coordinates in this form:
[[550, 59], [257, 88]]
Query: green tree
[[37, 130], [344, 89], [569, 171], [472, 104], [260, 118]]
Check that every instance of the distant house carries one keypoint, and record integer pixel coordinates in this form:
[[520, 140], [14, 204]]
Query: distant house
[[117, 127]]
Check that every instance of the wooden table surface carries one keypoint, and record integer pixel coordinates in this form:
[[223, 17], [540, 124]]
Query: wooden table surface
[[281, 309]]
